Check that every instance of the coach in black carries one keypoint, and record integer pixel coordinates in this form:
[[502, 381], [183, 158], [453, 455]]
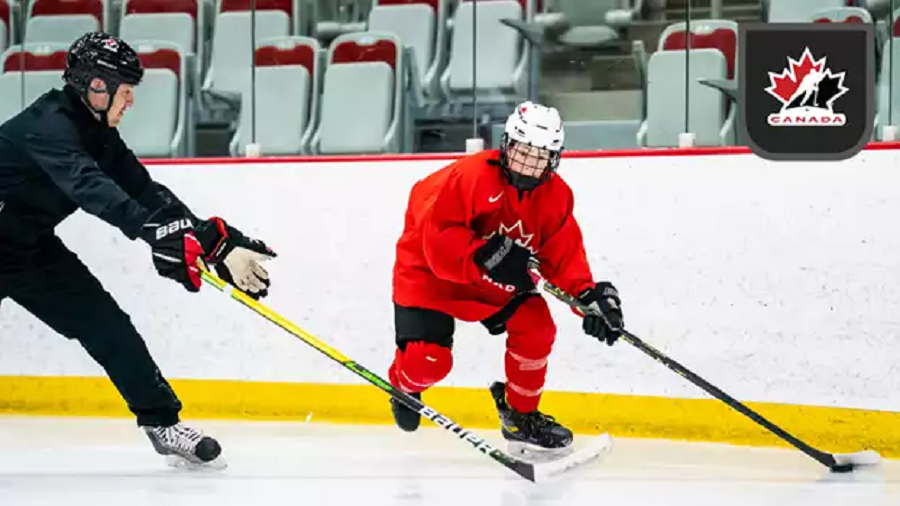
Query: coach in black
[[63, 153]]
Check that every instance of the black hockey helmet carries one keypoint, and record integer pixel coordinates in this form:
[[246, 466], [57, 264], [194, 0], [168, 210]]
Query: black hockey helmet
[[100, 55]]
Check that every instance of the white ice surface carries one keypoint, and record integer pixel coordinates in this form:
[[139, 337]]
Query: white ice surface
[[94, 462]]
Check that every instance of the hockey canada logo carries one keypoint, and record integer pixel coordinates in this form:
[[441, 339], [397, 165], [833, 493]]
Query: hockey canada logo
[[807, 90]]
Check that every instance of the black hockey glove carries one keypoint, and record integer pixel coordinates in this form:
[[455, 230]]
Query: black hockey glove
[[505, 262], [235, 257], [606, 324], [170, 234]]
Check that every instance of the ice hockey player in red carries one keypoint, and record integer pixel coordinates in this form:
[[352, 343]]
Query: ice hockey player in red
[[471, 229]]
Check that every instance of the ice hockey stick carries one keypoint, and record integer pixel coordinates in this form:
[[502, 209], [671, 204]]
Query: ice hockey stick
[[534, 472], [838, 462]]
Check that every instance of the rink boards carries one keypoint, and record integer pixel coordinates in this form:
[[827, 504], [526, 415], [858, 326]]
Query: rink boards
[[778, 282]]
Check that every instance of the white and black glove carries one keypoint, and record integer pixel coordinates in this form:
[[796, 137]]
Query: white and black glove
[[605, 322], [235, 257]]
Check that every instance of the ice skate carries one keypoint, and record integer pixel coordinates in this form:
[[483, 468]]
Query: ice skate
[[407, 419], [533, 434], [184, 447]]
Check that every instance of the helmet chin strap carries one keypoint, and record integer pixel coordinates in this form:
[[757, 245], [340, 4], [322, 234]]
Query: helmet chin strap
[[111, 88]]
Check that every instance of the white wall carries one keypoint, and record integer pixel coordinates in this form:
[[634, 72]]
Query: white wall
[[776, 281]]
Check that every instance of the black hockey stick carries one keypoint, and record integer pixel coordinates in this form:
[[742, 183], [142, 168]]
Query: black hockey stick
[[840, 463], [533, 472]]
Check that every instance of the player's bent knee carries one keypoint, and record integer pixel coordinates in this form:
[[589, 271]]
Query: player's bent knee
[[424, 364], [532, 329]]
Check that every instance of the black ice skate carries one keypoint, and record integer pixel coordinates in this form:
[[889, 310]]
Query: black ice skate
[[406, 419], [531, 433], [185, 447]]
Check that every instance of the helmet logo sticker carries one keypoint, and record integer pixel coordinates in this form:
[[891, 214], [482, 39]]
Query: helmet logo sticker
[[111, 45]]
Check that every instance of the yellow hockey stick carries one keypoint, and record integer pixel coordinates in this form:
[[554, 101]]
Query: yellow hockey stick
[[531, 471]]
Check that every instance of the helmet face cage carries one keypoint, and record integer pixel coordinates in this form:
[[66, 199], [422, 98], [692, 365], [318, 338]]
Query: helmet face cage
[[524, 165]]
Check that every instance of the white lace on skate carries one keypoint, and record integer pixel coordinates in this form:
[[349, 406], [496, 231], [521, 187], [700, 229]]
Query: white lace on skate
[[178, 444]]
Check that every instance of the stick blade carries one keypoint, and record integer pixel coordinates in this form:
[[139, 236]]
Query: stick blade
[[595, 448], [848, 461]]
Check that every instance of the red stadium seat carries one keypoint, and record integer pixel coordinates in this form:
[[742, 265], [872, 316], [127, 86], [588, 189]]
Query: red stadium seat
[[271, 56], [19, 61], [95, 8], [723, 39], [349, 51], [162, 59], [432, 3], [261, 5]]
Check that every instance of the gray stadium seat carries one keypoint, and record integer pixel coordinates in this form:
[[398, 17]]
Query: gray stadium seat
[[588, 24], [35, 83], [666, 99], [175, 27], [501, 59], [232, 57], [28, 75], [63, 20], [177, 21], [421, 25], [64, 28], [799, 11], [713, 56], [841, 15], [10, 95], [887, 104], [6, 16], [362, 119], [158, 125], [287, 98]]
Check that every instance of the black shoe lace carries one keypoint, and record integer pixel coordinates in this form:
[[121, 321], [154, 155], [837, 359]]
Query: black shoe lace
[[537, 420]]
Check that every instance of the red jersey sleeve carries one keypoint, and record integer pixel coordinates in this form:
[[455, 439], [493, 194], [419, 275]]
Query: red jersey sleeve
[[448, 239], [563, 258]]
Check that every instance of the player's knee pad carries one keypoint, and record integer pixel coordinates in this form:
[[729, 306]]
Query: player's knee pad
[[420, 365]]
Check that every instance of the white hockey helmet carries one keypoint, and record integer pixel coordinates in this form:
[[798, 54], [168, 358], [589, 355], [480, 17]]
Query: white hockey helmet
[[531, 145]]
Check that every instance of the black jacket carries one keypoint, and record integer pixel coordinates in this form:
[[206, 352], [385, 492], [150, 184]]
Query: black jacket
[[57, 157]]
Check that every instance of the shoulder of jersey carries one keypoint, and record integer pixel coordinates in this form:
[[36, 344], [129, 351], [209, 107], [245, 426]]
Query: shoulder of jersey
[[476, 165], [477, 173]]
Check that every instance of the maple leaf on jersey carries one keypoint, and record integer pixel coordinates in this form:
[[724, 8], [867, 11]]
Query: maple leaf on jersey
[[784, 85]]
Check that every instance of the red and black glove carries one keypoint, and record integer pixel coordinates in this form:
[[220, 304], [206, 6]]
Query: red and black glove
[[170, 234], [506, 262], [236, 257]]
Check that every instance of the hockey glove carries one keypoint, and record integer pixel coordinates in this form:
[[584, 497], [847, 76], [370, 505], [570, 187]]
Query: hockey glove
[[606, 322], [236, 257], [505, 262], [170, 234]]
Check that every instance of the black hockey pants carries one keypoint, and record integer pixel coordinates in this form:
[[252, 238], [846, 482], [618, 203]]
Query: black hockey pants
[[51, 283]]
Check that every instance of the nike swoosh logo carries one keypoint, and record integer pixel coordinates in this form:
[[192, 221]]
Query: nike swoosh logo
[[495, 199]]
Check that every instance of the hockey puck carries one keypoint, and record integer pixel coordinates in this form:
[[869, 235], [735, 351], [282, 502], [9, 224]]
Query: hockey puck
[[842, 468]]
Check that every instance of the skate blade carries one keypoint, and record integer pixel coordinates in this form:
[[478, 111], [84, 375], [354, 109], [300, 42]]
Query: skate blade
[[179, 462], [535, 453], [593, 450]]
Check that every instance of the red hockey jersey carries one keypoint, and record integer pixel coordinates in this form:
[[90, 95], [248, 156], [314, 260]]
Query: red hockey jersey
[[450, 214]]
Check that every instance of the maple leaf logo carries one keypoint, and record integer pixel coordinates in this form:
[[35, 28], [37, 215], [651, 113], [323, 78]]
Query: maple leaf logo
[[517, 234], [807, 90]]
